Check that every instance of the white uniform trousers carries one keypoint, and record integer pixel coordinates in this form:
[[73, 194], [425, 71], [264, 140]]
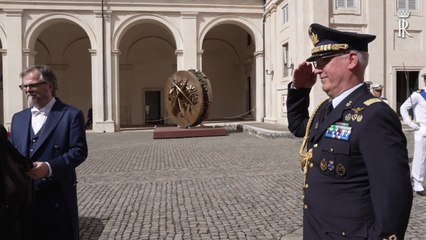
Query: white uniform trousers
[[419, 159]]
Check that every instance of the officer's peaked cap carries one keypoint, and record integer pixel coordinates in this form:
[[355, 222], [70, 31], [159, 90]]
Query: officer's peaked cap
[[329, 41]]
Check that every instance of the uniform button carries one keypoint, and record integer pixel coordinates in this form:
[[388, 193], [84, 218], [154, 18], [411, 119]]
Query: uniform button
[[315, 145], [331, 149], [343, 233], [34, 140], [305, 206], [31, 150], [306, 186], [311, 165]]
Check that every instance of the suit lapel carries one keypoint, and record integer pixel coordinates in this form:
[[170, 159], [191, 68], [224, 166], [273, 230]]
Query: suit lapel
[[337, 113], [49, 126], [26, 132]]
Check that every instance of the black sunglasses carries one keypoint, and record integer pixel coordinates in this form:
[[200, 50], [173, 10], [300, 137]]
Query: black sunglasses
[[320, 62], [31, 85]]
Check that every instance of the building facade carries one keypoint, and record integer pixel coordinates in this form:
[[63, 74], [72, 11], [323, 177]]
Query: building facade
[[397, 55], [115, 56]]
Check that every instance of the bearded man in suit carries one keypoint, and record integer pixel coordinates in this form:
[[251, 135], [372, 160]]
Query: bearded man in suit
[[52, 134]]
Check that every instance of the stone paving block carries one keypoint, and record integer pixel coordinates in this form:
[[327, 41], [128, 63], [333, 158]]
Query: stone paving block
[[232, 187]]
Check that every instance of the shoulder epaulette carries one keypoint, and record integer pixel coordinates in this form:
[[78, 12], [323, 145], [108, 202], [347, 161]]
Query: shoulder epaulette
[[419, 90], [371, 101]]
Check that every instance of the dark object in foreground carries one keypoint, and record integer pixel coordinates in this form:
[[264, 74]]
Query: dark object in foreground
[[16, 188]]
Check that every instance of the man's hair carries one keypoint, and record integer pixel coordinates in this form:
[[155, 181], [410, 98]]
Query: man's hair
[[363, 59], [46, 75]]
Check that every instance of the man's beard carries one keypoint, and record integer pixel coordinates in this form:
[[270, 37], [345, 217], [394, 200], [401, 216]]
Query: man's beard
[[32, 99]]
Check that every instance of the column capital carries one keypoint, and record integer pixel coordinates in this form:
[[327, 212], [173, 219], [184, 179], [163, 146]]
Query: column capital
[[10, 12], [189, 15]]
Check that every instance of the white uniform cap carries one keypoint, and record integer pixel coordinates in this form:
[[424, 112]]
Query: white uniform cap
[[377, 87]]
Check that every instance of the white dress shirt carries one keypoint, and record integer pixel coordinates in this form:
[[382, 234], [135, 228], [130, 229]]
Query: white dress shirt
[[39, 116]]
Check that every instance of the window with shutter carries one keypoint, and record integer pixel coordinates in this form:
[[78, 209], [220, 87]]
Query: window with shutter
[[401, 4], [340, 3], [412, 5], [285, 60], [345, 4], [347, 7], [285, 14], [406, 5]]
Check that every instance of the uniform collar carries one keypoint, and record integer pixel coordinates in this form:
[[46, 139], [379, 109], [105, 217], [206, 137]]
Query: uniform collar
[[344, 94]]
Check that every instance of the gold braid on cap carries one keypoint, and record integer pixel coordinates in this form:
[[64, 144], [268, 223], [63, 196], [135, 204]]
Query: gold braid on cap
[[329, 47], [306, 156]]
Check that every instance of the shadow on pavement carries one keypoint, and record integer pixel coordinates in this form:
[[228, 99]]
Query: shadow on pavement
[[91, 228]]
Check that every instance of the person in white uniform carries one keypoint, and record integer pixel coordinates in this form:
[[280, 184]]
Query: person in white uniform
[[377, 92], [417, 102]]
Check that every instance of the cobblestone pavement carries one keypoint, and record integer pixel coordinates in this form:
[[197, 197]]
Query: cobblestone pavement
[[233, 187]]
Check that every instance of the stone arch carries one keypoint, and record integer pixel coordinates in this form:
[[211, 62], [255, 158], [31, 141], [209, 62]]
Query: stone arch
[[130, 22], [34, 30], [254, 32]]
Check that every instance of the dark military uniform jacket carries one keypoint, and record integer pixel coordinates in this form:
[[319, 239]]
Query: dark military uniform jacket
[[358, 181]]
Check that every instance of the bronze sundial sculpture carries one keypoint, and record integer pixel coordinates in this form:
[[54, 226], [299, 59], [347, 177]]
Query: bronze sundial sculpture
[[188, 96]]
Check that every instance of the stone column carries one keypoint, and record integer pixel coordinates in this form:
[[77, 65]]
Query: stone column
[[102, 87], [190, 39], [269, 71], [179, 60], [12, 65], [110, 88], [260, 112], [115, 68]]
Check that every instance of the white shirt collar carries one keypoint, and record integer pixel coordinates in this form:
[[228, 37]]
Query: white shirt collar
[[46, 109], [344, 94]]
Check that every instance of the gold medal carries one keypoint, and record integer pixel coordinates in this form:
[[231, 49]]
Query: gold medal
[[348, 117], [340, 169], [323, 165]]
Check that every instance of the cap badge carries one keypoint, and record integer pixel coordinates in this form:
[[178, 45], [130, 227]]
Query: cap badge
[[313, 36]]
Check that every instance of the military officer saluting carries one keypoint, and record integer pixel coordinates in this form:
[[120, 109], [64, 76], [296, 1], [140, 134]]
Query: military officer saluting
[[417, 103], [357, 182]]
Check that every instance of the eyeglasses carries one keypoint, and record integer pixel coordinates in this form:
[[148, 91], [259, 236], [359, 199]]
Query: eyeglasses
[[31, 85], [322, 61]]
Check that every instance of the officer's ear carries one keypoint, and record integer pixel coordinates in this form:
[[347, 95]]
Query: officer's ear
[[353, 60]]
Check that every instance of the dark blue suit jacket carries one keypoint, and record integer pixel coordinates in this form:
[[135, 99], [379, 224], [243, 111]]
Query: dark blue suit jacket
[[62, 143]]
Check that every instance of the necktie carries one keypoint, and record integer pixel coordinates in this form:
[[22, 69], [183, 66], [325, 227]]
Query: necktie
[[326, 111]]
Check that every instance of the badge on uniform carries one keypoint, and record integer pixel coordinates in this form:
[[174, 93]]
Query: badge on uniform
[[339, 130]]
